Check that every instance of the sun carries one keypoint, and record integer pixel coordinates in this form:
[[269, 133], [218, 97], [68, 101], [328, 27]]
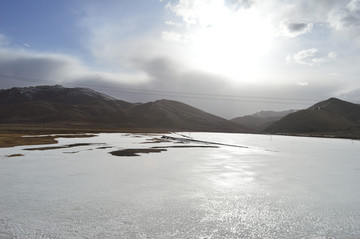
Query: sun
[[225, 41], [233, 44]]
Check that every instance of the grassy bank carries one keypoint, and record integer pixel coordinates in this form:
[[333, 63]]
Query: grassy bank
[[16, 135]]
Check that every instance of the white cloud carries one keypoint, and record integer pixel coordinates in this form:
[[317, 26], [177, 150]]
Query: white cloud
[[219, 38], [171, 23], [354, 5], [332, 55], [172, 36], [4, 40], [334, 74], [205, 46], [198, 12], [216, 36], [237, 4], [311, 57], [303, 83], [346, 20]]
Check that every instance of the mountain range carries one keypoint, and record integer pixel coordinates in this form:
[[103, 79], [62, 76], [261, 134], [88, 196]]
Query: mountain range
[[259, 121], [330, 117], [82, 107], [57, 106]]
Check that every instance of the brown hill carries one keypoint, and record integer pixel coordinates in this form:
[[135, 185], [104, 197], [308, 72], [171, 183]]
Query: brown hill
[[261, 120], [80, 107], [346, 109], [172, 114], [329, 116], [59, 105]]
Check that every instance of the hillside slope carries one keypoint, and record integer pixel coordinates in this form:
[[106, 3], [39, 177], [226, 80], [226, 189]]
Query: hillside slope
[[60, 105], [261, 120], [329, 116], [173, 114], [346, 109], [80, 107]]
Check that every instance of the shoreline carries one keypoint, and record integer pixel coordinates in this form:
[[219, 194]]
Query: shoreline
[[13, 135]]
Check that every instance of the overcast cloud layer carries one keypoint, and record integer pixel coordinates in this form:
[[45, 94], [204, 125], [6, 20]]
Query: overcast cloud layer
[[228, 57]]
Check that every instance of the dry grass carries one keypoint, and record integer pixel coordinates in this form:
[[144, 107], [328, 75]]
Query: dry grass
[[12, 134], [59, 129], [14, 155], [11, 140]]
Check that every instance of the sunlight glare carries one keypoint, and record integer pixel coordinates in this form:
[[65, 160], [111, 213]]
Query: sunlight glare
[[229, 43]]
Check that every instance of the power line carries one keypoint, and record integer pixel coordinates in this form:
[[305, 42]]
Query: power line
[[199, 95], [194, 95]]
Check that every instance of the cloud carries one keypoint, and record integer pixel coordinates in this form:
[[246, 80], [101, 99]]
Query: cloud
[[352, 95], [210, 92], [237, 4], [162, 78], [161, 69], [198, 12], [171, 23], [303, 83], [348, 17], [33, 68], [4, 40], [37, 65], [202, 47], [346, 20], [173, 36], [293, 29], [297, 27], [311, 57], [302, 10]]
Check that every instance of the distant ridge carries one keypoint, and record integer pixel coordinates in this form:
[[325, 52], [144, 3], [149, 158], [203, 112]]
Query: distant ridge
[[82, 107], [332, 116], [55, 93], [346, 109], [170, 114], [261, 120]]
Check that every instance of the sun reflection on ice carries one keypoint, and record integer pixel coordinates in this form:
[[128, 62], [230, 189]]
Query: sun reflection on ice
[[231, 167]]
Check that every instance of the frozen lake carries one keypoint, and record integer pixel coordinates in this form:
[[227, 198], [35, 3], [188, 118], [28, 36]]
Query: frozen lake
[[277, 187]]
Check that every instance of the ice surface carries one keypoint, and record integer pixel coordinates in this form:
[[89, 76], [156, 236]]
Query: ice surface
[[278, 187]]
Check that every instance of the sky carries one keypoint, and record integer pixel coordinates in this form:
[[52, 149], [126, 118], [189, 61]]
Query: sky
[[226, 57]]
